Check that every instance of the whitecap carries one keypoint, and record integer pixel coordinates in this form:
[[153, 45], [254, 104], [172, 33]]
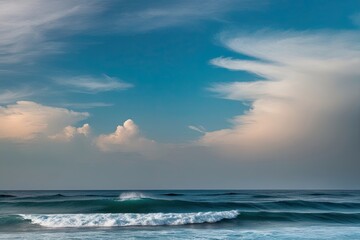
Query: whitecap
[[127, 219], [125, 196]]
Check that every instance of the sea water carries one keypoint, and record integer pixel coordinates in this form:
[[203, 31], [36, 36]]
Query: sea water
[[215, 214]]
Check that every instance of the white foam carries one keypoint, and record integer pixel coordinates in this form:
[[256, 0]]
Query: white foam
[[132, 196], [127, 219]]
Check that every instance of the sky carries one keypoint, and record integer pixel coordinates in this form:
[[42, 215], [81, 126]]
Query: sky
[[231, 94]]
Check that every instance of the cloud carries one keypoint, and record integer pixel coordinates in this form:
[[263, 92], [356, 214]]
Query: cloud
[[27, 28], [166, 14], [126, 138], [90, 84], [199, 129], [69, 132], [26, 120], [9, 96], [305, 101], [31, 28], [87, 105]]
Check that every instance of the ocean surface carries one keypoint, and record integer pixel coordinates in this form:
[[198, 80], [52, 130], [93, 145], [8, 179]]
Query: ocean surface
[[216, 214]]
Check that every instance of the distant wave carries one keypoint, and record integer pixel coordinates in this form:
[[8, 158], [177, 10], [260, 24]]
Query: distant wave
[[127, 219], [172, 194], [38, 197], [221, 194], [291, 216], [59, 195], [125, 196], [262, 196], [6, 196], [311, 204], [133, 203], [54, 196]]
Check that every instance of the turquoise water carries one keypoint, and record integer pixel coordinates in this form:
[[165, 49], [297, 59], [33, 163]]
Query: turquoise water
[[180, 214]]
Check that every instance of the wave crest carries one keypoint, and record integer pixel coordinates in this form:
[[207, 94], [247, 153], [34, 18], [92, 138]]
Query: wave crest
[[125, 196], [128, 219]]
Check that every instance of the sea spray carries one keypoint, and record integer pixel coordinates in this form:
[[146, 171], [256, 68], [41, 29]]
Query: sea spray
[[125, 196]]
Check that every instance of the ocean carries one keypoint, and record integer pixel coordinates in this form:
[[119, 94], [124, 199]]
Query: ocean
[[169, 214]]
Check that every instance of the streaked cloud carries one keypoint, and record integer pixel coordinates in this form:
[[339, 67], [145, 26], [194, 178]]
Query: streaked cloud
[[126, 138], [26, 120], [87, 105], [11, 96], [199, 129], [91, 84], [164, 14], [305, 100], [31, 28], [27, 27]]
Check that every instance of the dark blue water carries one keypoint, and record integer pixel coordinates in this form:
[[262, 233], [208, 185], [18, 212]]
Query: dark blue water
[[216, 214]]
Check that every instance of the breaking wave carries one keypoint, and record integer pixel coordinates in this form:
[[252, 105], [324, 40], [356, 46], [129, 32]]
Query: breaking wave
[[125, 196], [127, 219]]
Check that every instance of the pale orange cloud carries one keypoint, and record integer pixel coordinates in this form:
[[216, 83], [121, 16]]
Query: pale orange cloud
[[69, 132], [26, 120], [126, 138], [305, 95]]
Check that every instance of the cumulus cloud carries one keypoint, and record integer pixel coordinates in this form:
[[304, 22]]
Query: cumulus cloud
[[69, 132], [26, 120], [305, 101], [90, 84], [126, 138]]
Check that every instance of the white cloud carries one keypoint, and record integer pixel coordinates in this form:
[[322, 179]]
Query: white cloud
[[92, 84], [69, 132], [26, 120], [25, 26], [177, 13], [307, 101], [87, 105], [126, 138], [31, 28], [199, 129], [9, 96]]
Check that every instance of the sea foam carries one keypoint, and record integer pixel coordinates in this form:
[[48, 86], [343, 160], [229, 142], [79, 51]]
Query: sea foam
[[127, 219]]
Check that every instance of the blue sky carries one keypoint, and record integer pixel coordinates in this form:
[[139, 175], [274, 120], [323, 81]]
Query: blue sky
[[167, 65]]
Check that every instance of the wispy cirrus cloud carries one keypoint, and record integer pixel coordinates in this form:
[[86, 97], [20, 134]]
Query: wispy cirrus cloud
[[91, 84], [199, 129], [11, 96], [87, 105], [164, 14], [26, 27], [31, 28]]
